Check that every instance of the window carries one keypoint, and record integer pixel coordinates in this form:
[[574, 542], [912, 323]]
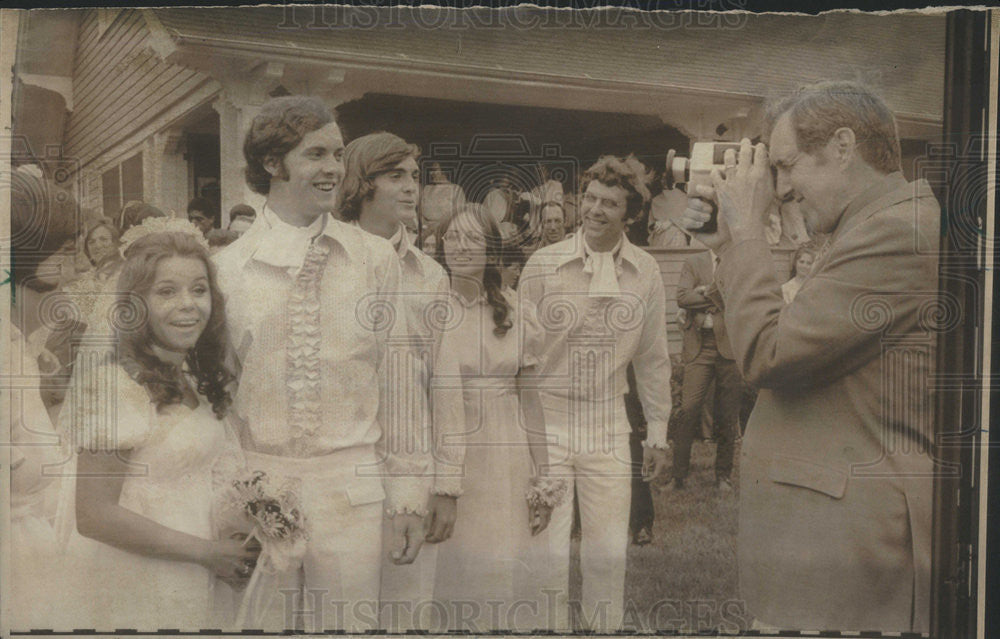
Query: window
[[121, 184]]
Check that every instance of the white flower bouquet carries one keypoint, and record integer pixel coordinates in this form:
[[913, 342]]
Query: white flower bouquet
[[269, 513]]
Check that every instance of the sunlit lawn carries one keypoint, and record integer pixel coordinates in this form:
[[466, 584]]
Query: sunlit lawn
[[685, 580]]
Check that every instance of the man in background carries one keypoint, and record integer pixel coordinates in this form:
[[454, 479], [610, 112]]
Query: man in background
[[708, 357], [553, 224], [200, 212]]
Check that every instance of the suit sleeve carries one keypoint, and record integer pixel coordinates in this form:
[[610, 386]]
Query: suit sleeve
[[447, 410], [450, 423], [403, 445], [652, 366], [687, 297], [834, 324]]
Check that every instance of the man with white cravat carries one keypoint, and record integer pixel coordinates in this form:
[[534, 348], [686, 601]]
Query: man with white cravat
[[601, 303], [302, 293]]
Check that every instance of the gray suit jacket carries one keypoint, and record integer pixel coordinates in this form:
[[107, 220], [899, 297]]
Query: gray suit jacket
[[835, 485], [697, 271]]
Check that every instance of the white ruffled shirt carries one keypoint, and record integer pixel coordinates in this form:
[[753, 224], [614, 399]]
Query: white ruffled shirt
[[286, 245], [359, 288]]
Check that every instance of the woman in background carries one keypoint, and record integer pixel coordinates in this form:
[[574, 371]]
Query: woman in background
[[93, 292], [802, 262]]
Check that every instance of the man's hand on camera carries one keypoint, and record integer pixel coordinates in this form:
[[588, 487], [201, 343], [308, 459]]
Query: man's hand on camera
[[746, 192], [743, 196], [699, 211]]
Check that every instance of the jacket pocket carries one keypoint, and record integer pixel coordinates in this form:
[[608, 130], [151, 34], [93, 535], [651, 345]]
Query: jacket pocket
[[807, 474], [364, 492]]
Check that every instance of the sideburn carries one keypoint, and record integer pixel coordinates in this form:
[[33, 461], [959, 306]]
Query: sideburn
[[278, 163]]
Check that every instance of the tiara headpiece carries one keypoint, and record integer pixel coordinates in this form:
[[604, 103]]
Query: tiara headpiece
[[168, 224]]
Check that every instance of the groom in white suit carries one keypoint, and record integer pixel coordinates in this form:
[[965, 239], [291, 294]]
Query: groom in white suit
[[312, 348]]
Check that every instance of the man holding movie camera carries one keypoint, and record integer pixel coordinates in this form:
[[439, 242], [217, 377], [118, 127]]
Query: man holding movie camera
[[835, 478]]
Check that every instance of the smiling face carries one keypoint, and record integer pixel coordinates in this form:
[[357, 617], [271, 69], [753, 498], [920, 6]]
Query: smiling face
[[603, 210], [179, 303], [100, 245], [553, 228], [304, 182], [804, 264], [465, 246], [813, 180], [395, 193]]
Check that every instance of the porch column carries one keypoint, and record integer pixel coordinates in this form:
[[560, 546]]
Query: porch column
[[235, 116], [167, 179]]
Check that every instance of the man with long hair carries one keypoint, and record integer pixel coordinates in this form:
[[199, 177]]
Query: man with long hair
[[380, 193], [601, 304], [312, 336]]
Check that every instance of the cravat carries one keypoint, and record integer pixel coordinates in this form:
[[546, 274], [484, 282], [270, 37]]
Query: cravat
[[603, 271]]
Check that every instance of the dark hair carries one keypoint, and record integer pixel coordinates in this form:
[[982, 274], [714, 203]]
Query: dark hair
[[628, 173], [818, 110], [203, 205], [276, 130], [135, 213], [551, 203], [492, 282], [101, 223], [804, 249], [162, 379], [42, 220], [511, 255], [364, 159]]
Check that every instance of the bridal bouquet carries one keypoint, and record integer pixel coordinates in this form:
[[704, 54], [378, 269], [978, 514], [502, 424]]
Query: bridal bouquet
[[271, 514]]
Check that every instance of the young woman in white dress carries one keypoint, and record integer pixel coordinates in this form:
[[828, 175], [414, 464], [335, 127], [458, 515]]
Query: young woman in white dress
[[149, 429], [489, 563]]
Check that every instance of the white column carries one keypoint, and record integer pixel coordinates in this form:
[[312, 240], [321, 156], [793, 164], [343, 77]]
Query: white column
[[235, 117], [170, 173]]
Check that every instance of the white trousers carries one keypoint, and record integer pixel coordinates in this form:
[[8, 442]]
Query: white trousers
[[407, 591], [337, 587], [586, 450]]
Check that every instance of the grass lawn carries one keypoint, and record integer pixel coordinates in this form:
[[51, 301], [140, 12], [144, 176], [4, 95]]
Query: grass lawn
[[685, 580]]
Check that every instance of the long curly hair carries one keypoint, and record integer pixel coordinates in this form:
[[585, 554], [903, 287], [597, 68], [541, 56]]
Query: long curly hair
[[161, 379], [492, 281]]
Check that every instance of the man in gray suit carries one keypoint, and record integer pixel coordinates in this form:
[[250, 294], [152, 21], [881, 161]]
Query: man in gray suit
[[835, 475], [707, 356]]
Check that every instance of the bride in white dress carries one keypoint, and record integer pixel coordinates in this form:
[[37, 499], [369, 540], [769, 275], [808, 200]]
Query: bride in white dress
[[149, 429]]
